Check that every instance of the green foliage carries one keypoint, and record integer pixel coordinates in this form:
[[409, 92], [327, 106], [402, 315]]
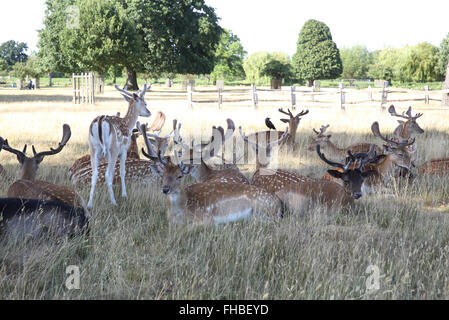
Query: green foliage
[[276, 69], [33, 67], [229, 58], [12, 52], [19, 70], [443, 57], [3, 64], [317, 56], [384, 63], [254, 65], [260, 67], [356, 61]]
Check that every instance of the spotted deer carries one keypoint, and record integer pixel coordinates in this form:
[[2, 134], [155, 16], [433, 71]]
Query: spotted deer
[[137, 170], [299, 196], [438, 166], [271, 180], [110, 137], [293, 123], [211, 201], [335, 153], [29, 188]]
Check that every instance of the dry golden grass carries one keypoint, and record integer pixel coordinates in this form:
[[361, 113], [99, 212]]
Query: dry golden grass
[[134, 253]]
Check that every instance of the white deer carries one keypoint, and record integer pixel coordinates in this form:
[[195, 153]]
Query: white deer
[[110, 137]]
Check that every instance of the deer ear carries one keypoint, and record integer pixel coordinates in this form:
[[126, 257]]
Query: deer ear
[[135, 96], [127, 99], [285, 120], [329, 136], [335, 173], [401, 122]]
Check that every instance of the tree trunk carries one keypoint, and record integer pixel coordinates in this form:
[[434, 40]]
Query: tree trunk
[[131, 81], [310, 83], [99, 83], [445, 97], [50, 78]]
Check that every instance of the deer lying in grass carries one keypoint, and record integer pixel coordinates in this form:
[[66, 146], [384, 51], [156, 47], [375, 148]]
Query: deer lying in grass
[[438, 166], [271, 180], [37, 218], [293, 123], [297, 197], [137, 170], [110, 137], [201, 172], [335, 153], [211, 201], [29, 188]]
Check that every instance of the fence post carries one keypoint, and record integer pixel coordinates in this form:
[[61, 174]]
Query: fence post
[[426, 94], [293, 97], [189, 95], [74, 88], [384, 96], [220, 98], [370, 94], [342, 96], [255, 98]]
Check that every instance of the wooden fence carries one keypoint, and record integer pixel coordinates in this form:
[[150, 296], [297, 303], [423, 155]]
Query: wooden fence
[[83, 88], [293, 96]]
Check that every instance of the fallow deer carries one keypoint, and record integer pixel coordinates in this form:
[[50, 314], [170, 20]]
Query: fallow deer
[[211, 201], [335, 153], [28, 187], [137, 170], [297, 197], [438, 166], [110, 137], [271, 180], [293, 123], [36, 218]]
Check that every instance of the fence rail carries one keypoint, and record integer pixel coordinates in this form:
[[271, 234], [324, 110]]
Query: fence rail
[[341, 96]]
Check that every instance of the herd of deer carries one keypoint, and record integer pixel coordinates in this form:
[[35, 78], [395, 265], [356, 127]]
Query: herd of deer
[[219, 196]]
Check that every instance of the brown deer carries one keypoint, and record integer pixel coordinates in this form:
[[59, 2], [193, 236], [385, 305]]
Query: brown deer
[[438, 166], [293, 123], [212, 201], [29, 188], [271, 180], [335, 153], [110, 137], [297, 197], [137, 170]]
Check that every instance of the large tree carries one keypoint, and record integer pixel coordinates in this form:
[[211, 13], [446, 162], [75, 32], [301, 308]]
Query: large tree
[[443, 55], [229, 58], [143, 36], [356, 61], [317, 56], [12, 52]]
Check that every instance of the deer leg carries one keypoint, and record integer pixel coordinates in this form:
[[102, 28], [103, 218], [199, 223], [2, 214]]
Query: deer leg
[[94, 165], [122, 173], [112, 159]]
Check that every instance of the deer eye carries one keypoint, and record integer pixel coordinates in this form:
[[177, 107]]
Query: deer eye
[[179, 178]]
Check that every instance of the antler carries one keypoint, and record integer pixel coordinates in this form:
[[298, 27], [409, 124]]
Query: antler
[[334, 164], [376, 132], [66, 134], [322, 130], [158, 122], [302, 113], [21, 155], [123, 91], [151, 153], [406, 115], [290, 114]]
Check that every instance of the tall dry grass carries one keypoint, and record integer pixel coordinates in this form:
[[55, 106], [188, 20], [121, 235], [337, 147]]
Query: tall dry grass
[[132, 251]]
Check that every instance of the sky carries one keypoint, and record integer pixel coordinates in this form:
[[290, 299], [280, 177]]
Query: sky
[[267, 25]]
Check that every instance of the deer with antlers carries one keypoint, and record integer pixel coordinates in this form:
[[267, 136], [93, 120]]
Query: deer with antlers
[[211, 201], [336, 153], [271, 180], [293, 123], [297, 197], [137, 170], [29, 188], [110, 137]]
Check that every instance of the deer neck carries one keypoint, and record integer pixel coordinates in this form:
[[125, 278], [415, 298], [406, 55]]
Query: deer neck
[[333, 151], [176, 205], [293, 126], [202, 172], [386, 167], [131, 116], [28, 172]]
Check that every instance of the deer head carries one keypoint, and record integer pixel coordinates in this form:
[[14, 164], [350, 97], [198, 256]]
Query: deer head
[[352, 178], [407, 128], [293, 121], [137, 100], [30, 165], [320, 139]]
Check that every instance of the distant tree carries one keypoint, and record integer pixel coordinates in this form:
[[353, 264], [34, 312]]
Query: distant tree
[[33, 67], [278, 66], [356, 61], [384, 64], [253, 66], [421, 63], [317, 56], [443, 57], [19, 71], [229, 58], [12, 52], [3, 65]]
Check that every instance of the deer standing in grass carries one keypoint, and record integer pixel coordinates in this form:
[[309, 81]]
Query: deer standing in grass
[[212, 201], [29, 188], [110, 137], [335, 153]]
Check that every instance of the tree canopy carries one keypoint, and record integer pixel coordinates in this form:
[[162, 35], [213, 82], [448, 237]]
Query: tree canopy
[[12, 52], [356, 61], [317, 56], [443, 56]]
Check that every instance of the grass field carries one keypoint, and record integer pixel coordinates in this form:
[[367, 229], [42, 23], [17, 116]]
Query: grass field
[[133, 252]]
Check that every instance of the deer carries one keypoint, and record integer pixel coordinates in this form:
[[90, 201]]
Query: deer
[[110, 137], [297, 197], [293, 123], [28, 187], [202, 172], [137, 170], [334, 152], [211, 201], [269, 179], [38, 217], [438, 166]]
